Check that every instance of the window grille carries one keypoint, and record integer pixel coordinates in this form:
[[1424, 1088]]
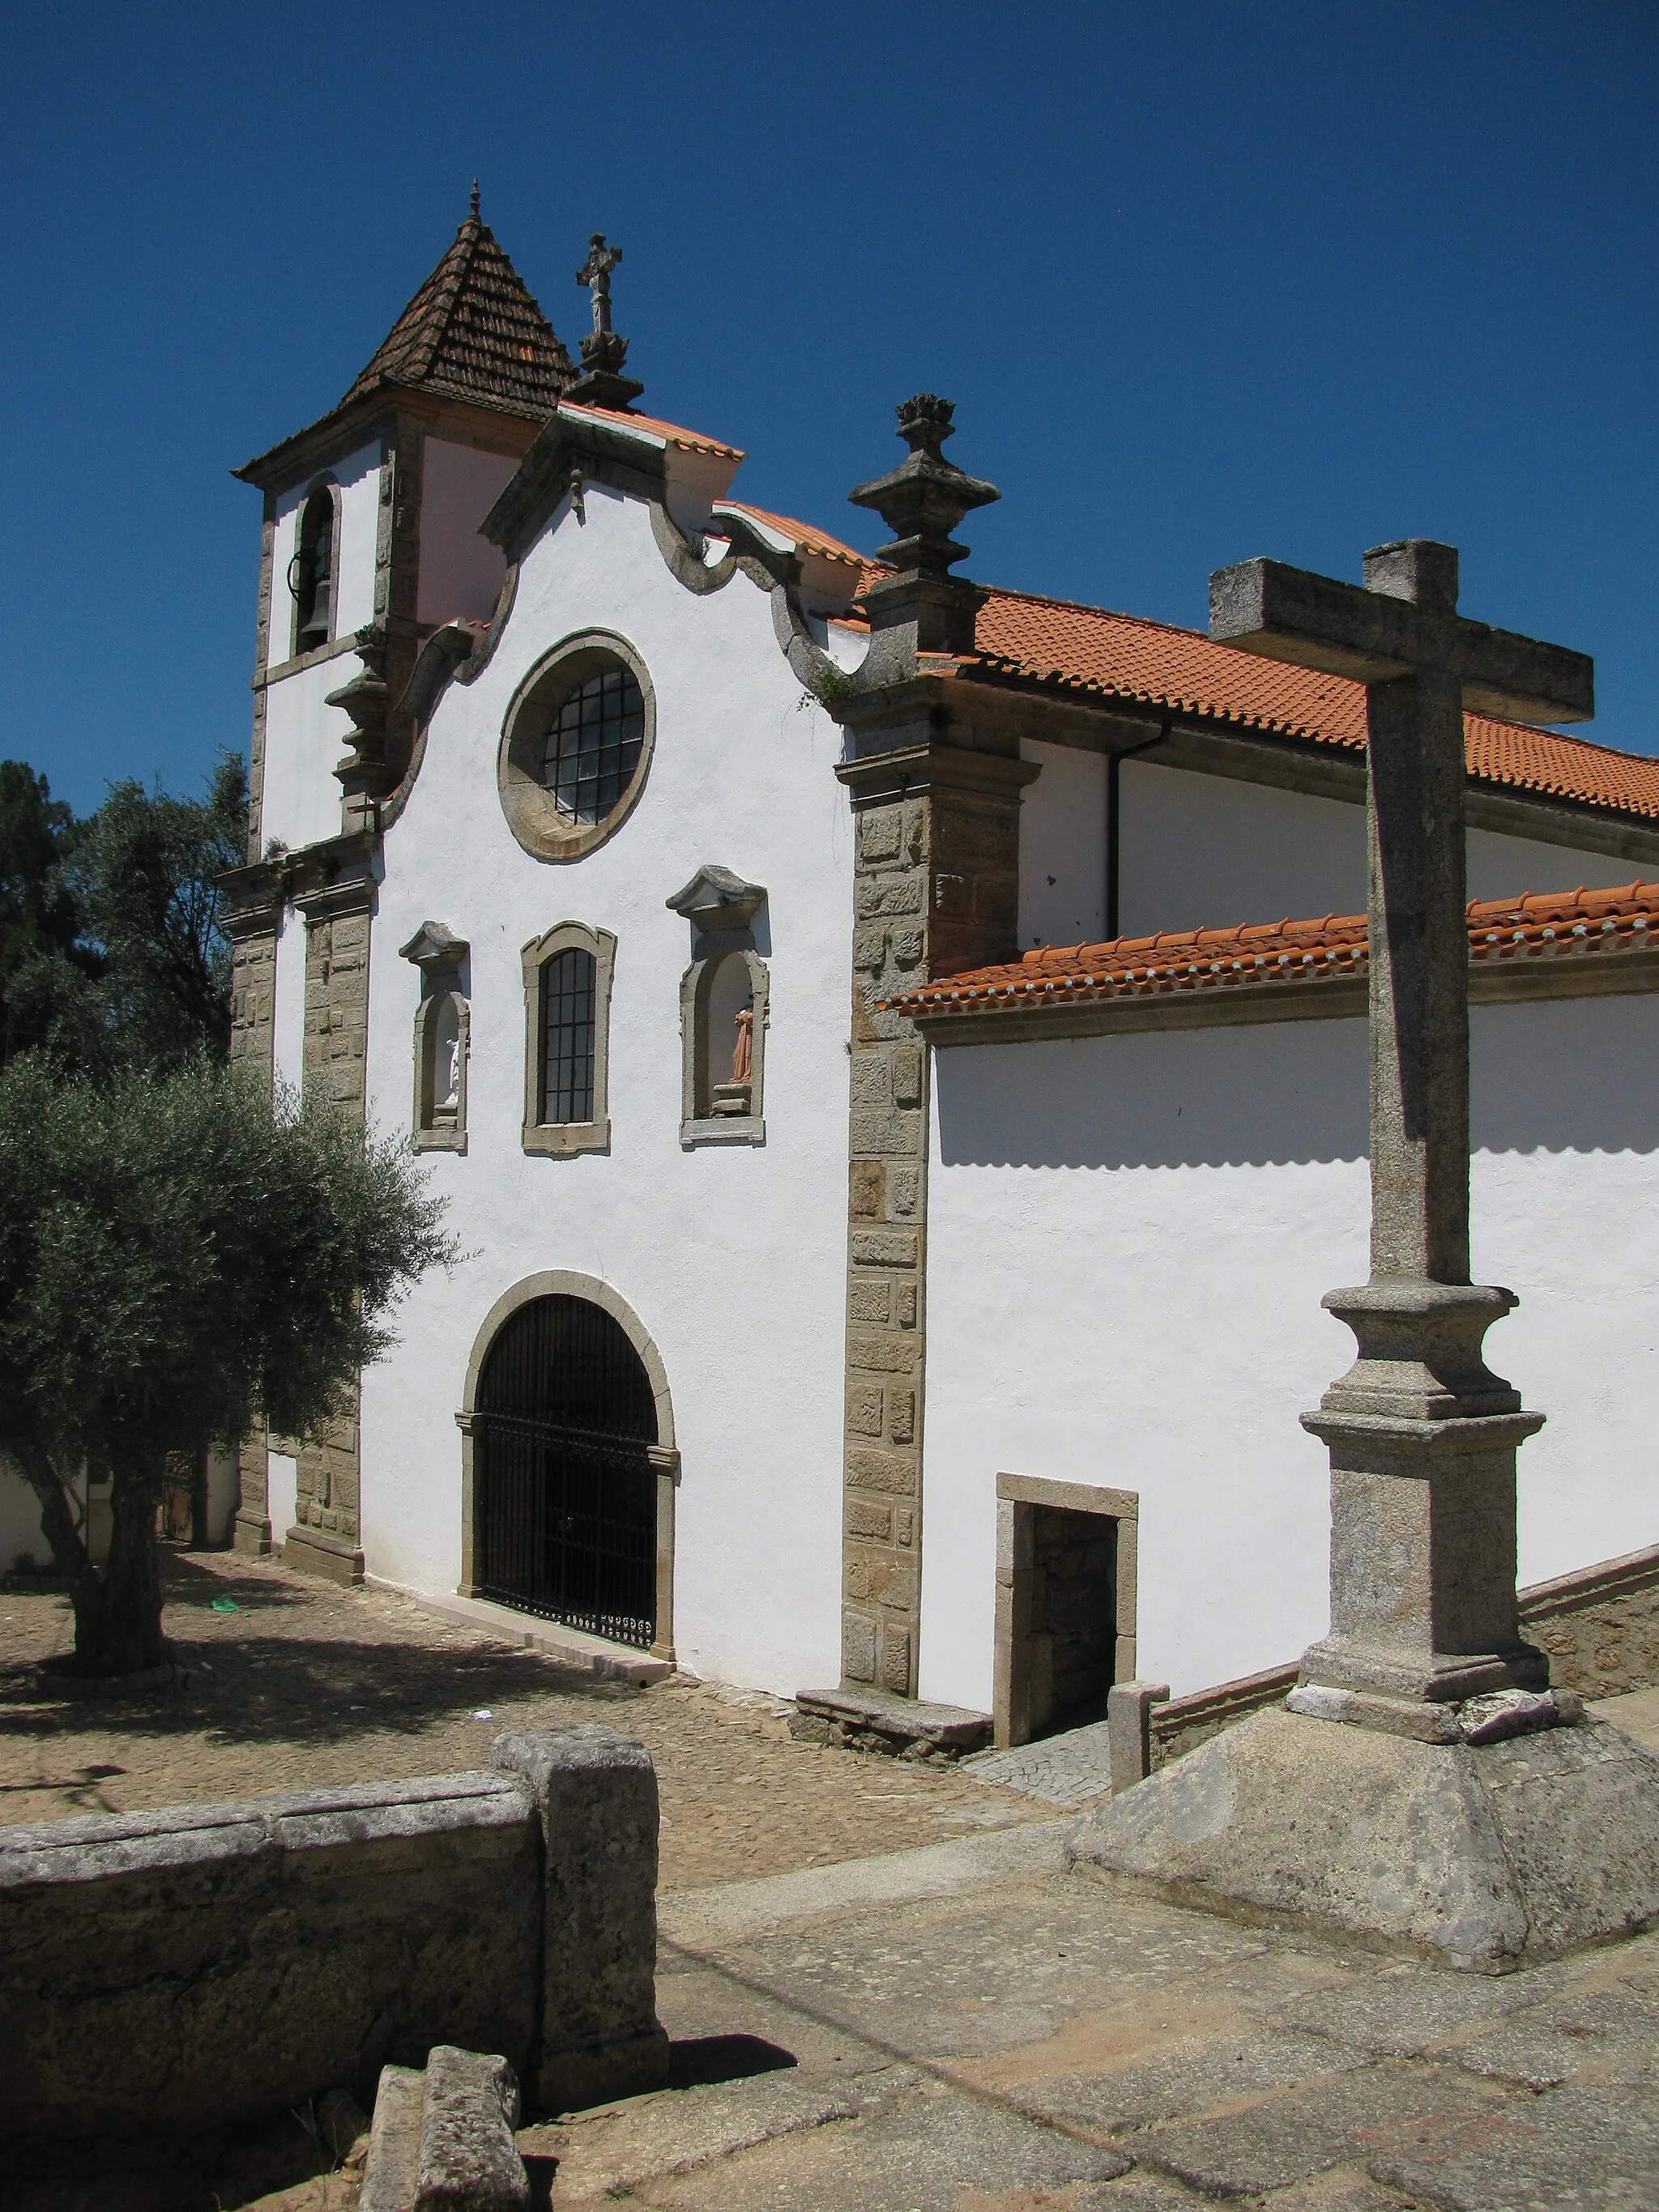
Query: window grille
[[567, 1023], [593, 746]]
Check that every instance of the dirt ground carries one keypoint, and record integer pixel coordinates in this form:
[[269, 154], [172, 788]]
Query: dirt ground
[[306, 1684]]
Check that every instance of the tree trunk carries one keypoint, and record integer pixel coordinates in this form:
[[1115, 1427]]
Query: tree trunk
[[128, 1635], [69, 1552], [118, 1614]]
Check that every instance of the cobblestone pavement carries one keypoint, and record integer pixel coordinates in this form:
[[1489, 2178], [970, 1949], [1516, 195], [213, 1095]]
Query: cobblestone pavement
[[306, 1684]]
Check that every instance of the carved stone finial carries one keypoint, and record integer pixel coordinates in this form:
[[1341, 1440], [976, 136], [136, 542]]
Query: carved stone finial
[[924, 422], [474, 200], [921, 501], [602, 383]]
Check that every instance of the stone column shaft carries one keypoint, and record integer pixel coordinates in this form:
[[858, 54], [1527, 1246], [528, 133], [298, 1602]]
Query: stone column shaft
[[1419, 1040]]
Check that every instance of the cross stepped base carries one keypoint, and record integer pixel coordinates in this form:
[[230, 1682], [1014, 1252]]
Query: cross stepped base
[[1488, 1856]]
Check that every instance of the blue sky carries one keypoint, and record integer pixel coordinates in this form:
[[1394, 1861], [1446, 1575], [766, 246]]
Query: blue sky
[[1205, 281]]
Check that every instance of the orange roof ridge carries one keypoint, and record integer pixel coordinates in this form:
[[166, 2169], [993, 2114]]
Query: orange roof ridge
[[1532, 924]]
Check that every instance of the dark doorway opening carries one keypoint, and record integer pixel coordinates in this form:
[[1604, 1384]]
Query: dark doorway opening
[[566, 1494], [1073, 1630]]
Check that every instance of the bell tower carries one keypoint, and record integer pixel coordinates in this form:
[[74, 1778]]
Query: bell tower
[[371, 542]]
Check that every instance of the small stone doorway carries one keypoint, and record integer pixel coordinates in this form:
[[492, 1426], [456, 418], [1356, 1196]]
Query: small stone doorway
[[1066, 1604]]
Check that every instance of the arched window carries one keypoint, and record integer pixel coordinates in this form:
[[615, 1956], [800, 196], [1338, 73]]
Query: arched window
[[311, 572], [566, 986]]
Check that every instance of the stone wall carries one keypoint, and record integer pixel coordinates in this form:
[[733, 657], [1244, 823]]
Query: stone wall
[[936, 888], [324, 1540], [1599, 1626], [217, 1964], [252, 910]]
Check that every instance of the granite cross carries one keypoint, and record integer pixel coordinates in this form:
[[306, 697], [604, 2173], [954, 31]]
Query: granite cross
[[595, 273], [1422, 1435]]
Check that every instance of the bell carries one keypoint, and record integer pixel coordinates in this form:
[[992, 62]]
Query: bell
[[314, 631]]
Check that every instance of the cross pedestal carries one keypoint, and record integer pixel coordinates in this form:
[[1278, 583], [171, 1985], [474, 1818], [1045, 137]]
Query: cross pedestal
[[1459, 1814]]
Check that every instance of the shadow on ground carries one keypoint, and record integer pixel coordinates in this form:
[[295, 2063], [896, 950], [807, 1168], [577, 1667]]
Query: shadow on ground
[[251, 1681]]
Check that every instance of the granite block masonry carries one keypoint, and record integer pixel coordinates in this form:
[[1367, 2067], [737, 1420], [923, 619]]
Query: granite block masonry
[[226, 1962], [1386, 1800]]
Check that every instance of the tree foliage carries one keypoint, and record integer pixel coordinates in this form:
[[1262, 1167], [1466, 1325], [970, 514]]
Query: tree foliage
[[111, 950], [177, 1262], [42, 958]]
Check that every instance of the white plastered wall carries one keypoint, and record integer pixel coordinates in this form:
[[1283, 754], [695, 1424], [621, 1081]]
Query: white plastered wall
[[1129, 1241], [732, 1256], [1206, 851], [1062, 847], [20, 1520], [304, 738], [357, 483], [461, 573]]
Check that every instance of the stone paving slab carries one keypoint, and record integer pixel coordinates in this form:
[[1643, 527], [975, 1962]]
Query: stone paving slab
[[926, 2150], [1577, 2147], [1330, 2121], [1056, 2014]]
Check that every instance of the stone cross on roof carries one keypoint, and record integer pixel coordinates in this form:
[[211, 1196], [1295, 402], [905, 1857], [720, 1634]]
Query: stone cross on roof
[[1422, 1435], [595, 273], [602, 383]]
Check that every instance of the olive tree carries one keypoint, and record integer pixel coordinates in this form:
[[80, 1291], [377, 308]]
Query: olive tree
[[177, 1262]]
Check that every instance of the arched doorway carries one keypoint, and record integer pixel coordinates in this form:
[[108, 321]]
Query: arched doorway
[[566, 1468]]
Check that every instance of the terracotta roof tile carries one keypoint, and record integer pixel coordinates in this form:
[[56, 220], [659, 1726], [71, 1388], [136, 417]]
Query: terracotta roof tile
[[1069, 647], [1176, 963], [473, 331]]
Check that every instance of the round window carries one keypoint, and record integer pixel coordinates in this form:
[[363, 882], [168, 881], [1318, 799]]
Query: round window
[[577, 746], [594, 744]]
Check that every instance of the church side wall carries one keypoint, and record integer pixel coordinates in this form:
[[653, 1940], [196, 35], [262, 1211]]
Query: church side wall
[[732, 1256], [1206, 851], [1128, 1239], [1062, 847]]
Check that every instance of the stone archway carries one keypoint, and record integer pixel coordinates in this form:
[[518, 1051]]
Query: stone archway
[[568, 1461]]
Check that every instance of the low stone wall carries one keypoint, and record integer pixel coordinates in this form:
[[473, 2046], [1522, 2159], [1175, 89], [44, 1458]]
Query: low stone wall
[[212, 1964], [1599, 1626]]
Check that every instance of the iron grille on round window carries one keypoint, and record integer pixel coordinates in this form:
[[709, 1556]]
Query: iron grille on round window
[[568, 991], [593, 745]]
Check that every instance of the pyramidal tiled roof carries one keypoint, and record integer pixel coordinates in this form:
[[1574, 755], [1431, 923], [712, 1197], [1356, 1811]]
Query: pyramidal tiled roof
[[473, 332]]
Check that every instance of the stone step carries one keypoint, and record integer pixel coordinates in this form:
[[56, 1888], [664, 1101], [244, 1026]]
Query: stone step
[[871, 1720]]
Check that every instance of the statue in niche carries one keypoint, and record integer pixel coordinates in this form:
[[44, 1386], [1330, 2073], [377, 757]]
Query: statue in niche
[[733, 1097], [452, 1082]]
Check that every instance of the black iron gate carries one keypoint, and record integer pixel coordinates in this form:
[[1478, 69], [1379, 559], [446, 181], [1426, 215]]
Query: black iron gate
[[565, 1496]]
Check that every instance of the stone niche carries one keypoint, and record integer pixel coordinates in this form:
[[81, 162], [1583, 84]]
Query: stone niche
[[1066, 1604]]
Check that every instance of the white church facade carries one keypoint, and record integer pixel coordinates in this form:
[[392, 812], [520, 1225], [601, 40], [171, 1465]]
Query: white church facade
[[897, 1147]]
